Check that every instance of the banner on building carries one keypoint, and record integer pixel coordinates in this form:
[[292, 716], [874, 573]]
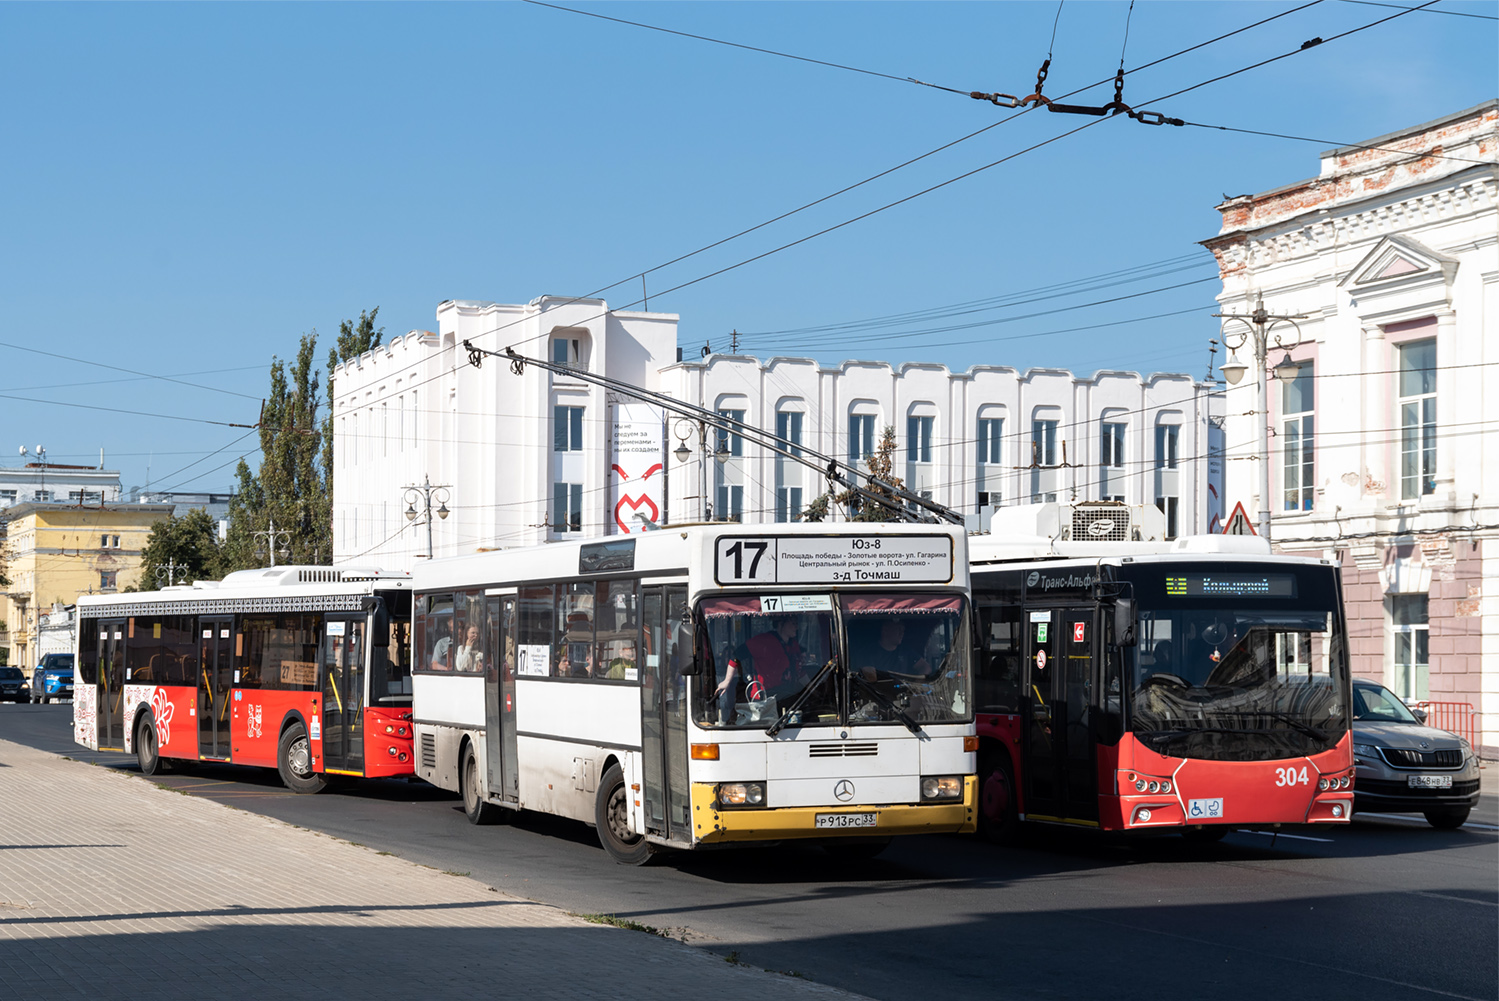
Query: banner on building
[[637, 472]]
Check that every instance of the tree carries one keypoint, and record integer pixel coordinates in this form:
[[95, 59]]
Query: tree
[[294, 485], [881, 466], [188, 547], [354, 339]]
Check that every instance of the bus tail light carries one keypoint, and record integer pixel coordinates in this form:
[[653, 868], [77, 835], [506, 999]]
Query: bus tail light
[[937, 787], [1330, 783], [704, 752]]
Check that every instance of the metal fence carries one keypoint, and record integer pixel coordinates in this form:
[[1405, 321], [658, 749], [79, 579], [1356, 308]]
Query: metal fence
[[1459, 717]]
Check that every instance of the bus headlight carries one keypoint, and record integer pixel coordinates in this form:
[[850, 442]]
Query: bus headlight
[[741, 794], [942, 787]]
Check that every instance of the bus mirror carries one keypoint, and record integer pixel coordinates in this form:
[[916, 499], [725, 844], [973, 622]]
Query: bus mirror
[[381, 624], [1124, 622]]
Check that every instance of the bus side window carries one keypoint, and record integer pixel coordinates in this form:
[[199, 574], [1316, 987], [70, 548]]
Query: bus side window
[[997, 680]]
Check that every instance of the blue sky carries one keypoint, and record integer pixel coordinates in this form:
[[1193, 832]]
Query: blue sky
[[188, 188]]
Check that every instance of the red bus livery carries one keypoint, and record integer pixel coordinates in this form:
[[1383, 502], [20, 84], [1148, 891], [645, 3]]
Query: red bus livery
[[301, 669], [1198, 685]]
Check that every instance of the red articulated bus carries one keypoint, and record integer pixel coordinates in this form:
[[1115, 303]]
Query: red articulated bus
[[301, 669], [1197, 685]]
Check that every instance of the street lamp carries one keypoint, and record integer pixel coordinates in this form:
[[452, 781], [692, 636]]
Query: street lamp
[[1260, 326], [424, 492], [720, 452], [273, 542]]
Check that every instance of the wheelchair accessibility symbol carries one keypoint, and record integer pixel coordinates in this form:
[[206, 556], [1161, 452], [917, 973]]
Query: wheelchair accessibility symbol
[[1205, 809]]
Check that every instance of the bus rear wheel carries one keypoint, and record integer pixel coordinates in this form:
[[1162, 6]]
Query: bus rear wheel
[[479, 811], [999, 813], [612, 815], [146, 750], [294, 761]]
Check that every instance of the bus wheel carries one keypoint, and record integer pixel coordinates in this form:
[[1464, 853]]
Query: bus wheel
[[294, 761], [999, 816], [145, 745], [612, 814], [1205, 835], [855, 849], [479, 812]]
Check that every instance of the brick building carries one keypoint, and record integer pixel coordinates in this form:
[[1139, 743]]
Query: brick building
[[1384, 447]]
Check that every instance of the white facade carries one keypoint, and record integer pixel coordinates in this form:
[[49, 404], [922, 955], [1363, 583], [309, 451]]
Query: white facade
[[521, 459], [1385, 454], [47, 482]]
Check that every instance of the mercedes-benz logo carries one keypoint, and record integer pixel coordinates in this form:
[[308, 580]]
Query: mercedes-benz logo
[[844, 790]]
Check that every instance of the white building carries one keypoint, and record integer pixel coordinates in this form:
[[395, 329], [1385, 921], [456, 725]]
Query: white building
[[518, 459], [48, 482], [1384, 452]]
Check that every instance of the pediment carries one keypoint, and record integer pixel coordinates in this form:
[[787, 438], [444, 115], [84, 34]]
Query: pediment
[[1397, 257]]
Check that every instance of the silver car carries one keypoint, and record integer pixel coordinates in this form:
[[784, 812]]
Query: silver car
[[1405, 766]]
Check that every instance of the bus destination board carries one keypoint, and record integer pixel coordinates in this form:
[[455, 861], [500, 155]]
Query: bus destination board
[[834, 559], [1231, 585]]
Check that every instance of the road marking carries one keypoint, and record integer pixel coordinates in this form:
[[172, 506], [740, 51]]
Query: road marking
[[1421, 821], [1298, 837]]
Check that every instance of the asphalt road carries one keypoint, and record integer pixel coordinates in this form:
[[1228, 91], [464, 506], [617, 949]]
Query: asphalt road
[[1387, 908]]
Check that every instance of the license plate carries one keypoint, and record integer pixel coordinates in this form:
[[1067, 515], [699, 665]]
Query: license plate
[[1429, 781], [836, 820]]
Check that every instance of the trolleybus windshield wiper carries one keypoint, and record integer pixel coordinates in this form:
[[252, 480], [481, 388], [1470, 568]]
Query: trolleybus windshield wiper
[[885, 703], [1306, 728], [796, 704]]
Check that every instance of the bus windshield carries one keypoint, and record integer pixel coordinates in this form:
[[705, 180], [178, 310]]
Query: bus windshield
[[807, 660], [1240, 667]]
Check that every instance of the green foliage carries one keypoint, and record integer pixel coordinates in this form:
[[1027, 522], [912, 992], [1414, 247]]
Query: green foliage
[[881, 465], [188, 547], [293, 487]]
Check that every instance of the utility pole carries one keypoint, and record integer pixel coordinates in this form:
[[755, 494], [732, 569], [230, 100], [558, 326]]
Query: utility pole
[[1259, 325]]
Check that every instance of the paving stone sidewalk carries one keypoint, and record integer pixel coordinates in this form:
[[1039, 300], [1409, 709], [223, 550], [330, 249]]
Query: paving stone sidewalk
[[112, 886]]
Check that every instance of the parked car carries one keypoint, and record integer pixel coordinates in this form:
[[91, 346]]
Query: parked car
[[13, 684], [1405, 766], [53, 678]]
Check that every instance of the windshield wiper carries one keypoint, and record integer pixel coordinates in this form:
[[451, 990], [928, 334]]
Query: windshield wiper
[[796, 704], [1306, 728], [885, 703]]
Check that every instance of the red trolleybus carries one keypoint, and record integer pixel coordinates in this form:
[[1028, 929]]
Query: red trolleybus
[[301, 669], [1199, 684]]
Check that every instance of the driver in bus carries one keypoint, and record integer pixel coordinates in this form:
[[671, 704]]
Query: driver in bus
[[887, 654]]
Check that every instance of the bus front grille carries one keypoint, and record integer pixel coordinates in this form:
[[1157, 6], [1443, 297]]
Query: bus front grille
[[844, 750]]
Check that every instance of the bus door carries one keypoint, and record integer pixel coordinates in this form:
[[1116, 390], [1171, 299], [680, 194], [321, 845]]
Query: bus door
[[343, 693], [215, 679], [663, 707], [111, 684], [499, 698], [1060, 780]]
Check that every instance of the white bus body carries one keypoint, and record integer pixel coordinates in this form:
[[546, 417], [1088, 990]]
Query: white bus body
[[706, 684]]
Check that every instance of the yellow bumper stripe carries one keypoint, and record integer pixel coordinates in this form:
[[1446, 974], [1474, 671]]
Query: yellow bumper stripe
[[711, 825]]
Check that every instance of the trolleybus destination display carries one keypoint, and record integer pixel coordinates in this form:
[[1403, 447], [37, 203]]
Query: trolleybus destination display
[[841, 559]]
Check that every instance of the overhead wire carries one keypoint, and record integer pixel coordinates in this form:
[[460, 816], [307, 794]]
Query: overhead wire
[[1413, 154]]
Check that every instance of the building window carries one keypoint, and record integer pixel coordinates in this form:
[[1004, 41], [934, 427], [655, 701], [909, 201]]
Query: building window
[[919, 439], [567, 429], [1297, 433], [1408, 616], [990, 431], [789, 430], [788, 504], [43, 495], [1111, 461], [1043, 460], [7, 497], [860, 436], [107, 579], [1418, 419], [728, 437], [730, 503], [561, 355], [567, 507], [1167, 441]]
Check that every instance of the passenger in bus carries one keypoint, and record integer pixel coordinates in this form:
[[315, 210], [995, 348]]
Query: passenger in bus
[[442, 647], [1163, 662], [775, 662], [622, 661], [470, 657]]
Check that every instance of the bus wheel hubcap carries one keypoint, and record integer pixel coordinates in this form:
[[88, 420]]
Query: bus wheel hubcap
[[298, 759], [619, 821]]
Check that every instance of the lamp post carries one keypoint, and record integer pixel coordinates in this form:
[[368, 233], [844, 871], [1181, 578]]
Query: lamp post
[[683, 430], [1259, 332], [171, 572], [41, 461], [424, 492], [273, 542]]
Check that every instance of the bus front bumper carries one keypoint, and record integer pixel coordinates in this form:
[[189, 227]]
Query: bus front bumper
[[712, 825]]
